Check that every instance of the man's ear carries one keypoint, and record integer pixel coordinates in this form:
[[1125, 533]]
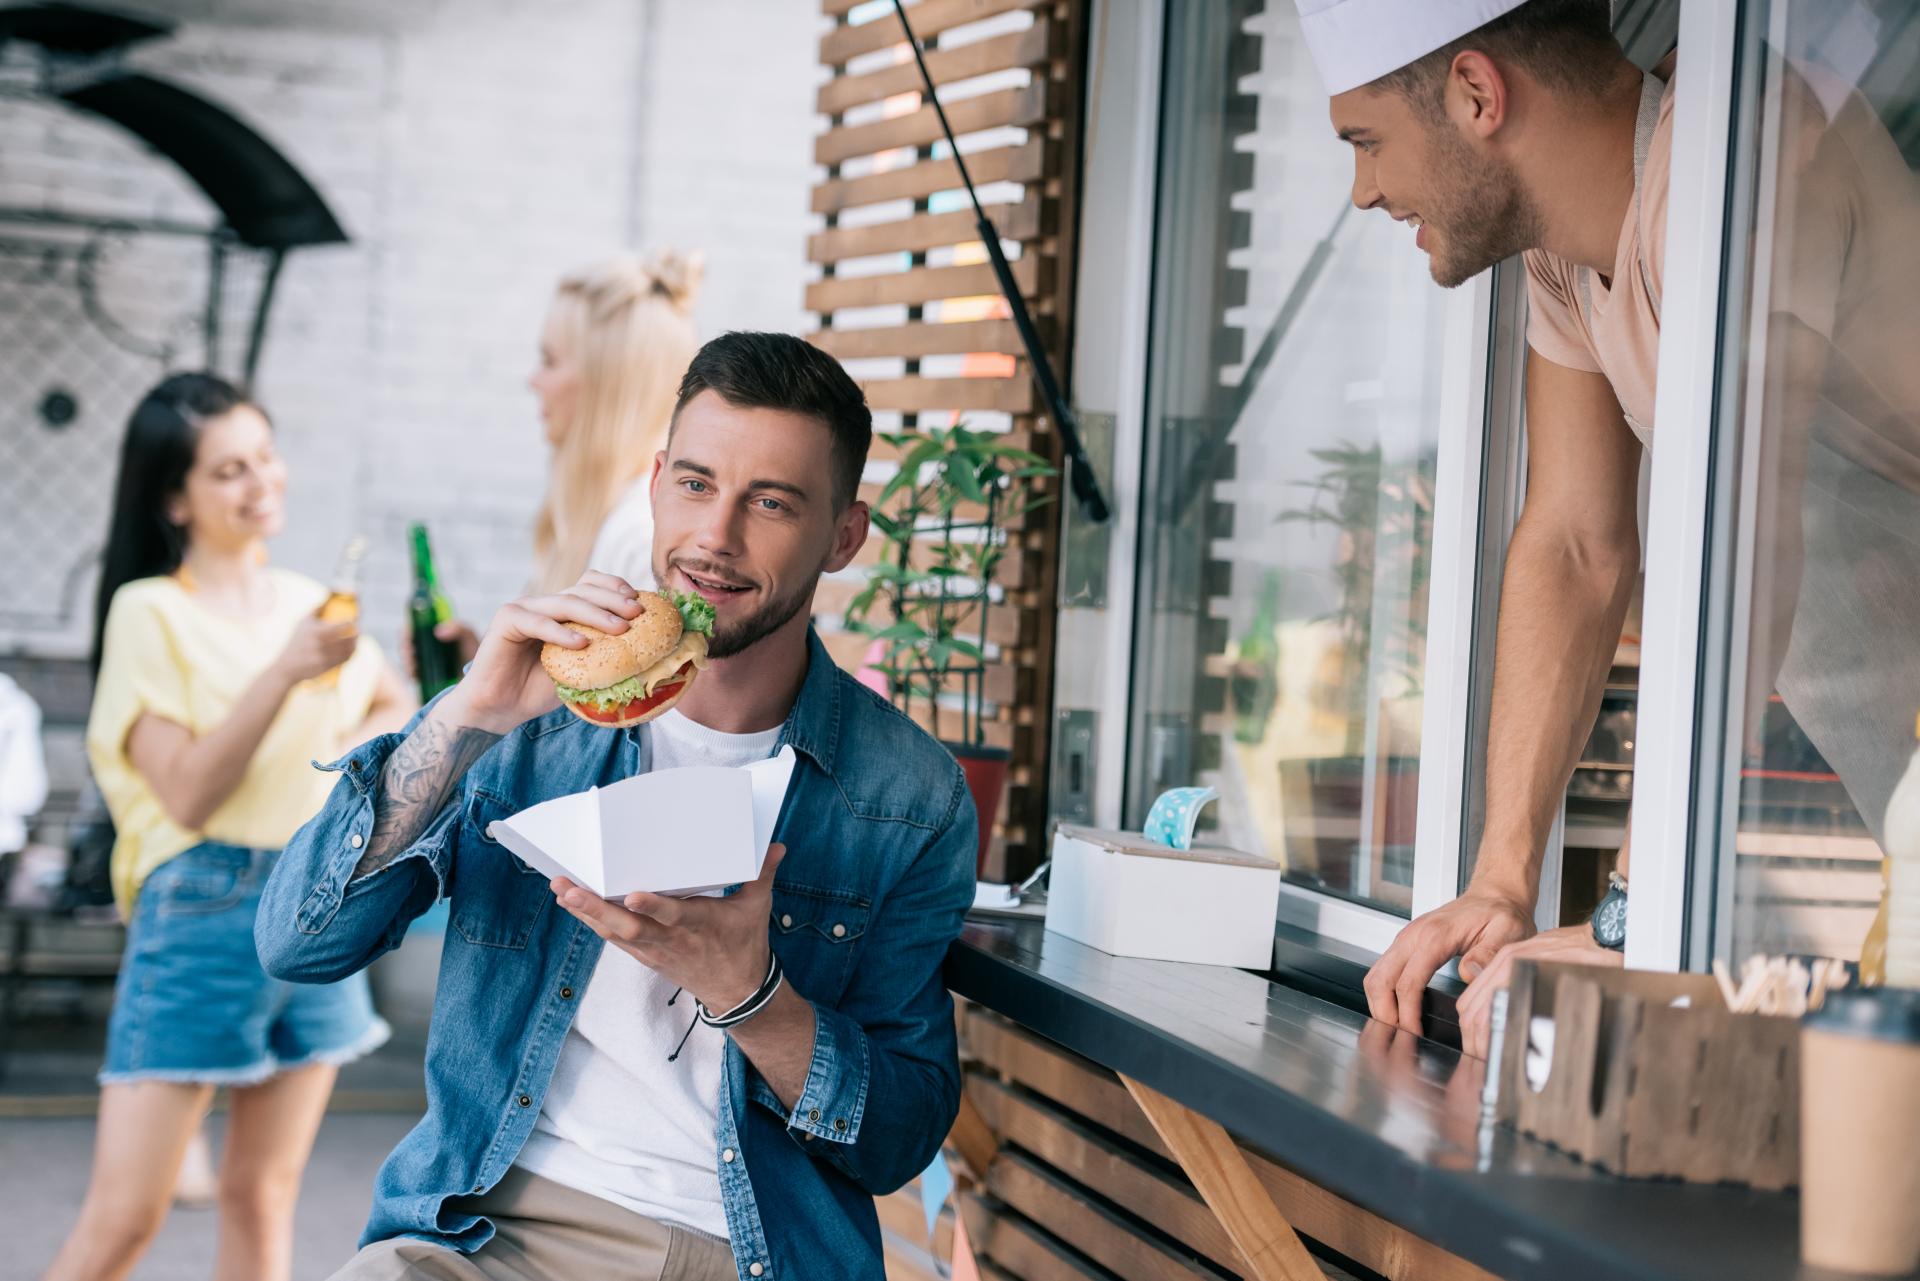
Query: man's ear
[[849, 536], [653, 481], [1476, 93]]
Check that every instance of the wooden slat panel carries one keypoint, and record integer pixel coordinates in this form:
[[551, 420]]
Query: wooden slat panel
[[997, 53], [1162, 1199], [1003, 395], [1004, 107], [1026, 162], [929, 18], [1016, 221], [1018, 1246], [916, 340], [922, 285], [1095, 1093], [1095, 1231], [1046, 1069], [1041, 53]]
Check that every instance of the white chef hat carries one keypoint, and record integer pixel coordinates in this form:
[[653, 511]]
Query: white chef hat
[[1355, 42]]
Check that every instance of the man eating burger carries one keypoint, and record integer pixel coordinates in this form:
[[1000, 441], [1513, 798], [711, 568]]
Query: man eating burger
[[696, 1088]]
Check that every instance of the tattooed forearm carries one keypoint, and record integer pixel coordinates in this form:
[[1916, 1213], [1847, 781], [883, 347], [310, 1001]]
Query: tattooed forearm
[[419, 778]]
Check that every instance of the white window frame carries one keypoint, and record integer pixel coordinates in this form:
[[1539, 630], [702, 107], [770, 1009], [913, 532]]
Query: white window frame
[[1669, 751], [1121, 175]]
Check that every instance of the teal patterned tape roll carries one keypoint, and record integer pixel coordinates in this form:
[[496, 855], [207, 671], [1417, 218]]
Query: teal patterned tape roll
[[1174, 814]]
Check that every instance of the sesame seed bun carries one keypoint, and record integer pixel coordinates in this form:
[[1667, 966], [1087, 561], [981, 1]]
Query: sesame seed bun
[[608, 658]]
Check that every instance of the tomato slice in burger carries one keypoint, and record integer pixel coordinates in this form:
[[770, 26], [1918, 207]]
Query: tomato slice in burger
[[639, 706]]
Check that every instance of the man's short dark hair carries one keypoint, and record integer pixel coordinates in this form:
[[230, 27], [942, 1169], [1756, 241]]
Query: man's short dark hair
[[779, 371], [1567, 45]]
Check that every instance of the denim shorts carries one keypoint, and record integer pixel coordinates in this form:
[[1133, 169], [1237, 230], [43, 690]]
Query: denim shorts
[[192, 1003]]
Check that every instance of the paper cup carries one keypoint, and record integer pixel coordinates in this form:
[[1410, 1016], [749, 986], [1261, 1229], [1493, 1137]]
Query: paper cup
[[1860, 1133]]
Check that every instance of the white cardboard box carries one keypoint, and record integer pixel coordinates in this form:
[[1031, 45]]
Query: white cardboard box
[[1123, 894], [681, 832]]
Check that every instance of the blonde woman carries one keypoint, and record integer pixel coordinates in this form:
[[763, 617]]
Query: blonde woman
[[617, 339], [618, 336]]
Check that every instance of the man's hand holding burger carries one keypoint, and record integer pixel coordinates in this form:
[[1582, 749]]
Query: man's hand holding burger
[[507, 685]]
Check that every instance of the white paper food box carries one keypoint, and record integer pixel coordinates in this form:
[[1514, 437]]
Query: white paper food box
[[682, 832], [1126, 895]]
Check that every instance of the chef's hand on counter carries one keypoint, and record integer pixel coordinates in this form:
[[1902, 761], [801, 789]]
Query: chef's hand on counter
[[1568, 945], [1474, 927]]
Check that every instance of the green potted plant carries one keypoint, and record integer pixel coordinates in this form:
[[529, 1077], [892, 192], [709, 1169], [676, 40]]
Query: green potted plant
[[943, 520]]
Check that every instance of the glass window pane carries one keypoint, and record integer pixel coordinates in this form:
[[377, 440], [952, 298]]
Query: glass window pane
[[1824, 389], [1292, 431]]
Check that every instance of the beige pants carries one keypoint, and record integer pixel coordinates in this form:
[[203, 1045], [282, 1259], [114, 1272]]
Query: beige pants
[[544, 1231]]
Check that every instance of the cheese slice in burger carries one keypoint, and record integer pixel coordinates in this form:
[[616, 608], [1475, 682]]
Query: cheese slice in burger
[[629, 679]]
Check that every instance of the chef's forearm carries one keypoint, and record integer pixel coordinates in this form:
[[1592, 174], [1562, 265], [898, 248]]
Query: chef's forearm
[[1562, 604]]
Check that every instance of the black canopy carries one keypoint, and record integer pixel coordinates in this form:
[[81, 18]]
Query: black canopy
[[266, 201]]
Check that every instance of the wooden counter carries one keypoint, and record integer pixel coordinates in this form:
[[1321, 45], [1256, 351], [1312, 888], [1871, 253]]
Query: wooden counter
[[1369, 1140]]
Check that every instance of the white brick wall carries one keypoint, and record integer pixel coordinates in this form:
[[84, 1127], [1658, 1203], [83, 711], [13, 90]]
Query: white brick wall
[[474, 150]]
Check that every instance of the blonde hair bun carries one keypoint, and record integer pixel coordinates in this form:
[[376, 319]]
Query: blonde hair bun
[[677, 274]]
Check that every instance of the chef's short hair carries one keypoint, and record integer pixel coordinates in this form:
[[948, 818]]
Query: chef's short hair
[[1564, 44]]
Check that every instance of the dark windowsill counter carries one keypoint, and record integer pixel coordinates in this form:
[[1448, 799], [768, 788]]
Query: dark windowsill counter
[[1389, 1121]]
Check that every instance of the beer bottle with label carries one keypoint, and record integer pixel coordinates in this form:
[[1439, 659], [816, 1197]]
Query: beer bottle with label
[[342, 604], [436, 660]]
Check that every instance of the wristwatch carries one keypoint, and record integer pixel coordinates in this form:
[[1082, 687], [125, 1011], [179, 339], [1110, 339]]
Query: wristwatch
[[1610, 918]]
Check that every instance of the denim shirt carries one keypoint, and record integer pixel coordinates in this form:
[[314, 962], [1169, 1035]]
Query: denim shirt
[[881, 838]]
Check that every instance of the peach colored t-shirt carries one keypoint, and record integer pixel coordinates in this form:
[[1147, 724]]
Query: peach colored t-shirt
[[1842, 260], [1622, 340]]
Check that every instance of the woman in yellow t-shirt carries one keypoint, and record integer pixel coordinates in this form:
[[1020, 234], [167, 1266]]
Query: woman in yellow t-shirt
[[207, 712]]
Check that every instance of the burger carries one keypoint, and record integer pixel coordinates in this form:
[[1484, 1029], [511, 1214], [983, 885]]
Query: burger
[[629, 679]]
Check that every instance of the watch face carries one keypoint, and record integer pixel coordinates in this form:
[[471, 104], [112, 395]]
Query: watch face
[[1610, 920]]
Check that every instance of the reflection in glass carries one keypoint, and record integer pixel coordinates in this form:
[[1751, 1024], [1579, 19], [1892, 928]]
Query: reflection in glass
[[1292, 434], [1828, 507]]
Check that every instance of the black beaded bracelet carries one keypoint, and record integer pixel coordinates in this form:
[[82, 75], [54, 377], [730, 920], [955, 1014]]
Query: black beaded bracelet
[[762, 997]]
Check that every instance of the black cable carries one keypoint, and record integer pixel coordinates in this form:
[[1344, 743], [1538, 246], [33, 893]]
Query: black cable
[[1086, 486]]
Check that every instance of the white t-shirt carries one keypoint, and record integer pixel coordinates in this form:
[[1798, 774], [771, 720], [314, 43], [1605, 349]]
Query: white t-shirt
[[621, 1122], [624, 545]]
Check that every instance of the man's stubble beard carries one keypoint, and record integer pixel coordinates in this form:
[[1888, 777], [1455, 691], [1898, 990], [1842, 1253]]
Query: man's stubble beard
[[1488, 215], [727, 641]]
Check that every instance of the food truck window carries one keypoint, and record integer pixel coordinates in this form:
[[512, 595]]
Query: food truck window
[[1813, 620]]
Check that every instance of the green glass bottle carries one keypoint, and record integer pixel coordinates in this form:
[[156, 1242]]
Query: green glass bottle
[[435, 660]]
